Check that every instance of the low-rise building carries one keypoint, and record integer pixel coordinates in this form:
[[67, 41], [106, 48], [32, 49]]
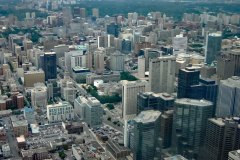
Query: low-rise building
[[39, 154], [60, 112], [79, 74], [20, 125], [119, 152], [106, 77], [6, 150]]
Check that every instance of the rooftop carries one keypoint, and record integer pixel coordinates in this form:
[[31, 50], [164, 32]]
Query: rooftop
[[222, 121], [59, 104], [235, 153], [177, 157], [217, 34], [147, 116], [50, 53], [18, 121], [21, 139], [194, 102], [232, 82]]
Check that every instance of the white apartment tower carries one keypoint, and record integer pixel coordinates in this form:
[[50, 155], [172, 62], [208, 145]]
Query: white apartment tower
[[130, 89], [162, 74]]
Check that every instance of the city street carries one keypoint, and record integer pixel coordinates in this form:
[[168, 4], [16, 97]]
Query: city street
[[11, 138]]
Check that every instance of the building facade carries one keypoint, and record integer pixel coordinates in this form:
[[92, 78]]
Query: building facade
[[60, 112], [129, 95], [50, 65], [162, 74], [213, 47], [143, 135], [228, 101], [222, 136], [190, 125]]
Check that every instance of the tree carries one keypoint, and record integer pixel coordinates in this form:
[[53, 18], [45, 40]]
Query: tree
[[62, 155], [65, 147], [127, 76], [110, 106], [109, 118]]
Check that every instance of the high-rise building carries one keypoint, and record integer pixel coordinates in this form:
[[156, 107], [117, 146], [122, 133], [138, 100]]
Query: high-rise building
[[75, 58], [143, 135], [225, 67], [113, 29], [126, 46], [186, 78], [90, 110], [76, 12], [166, 128], [39, 95], [83, 13], [129, 95], [67, 15], [213, 47], [99, 64], [191, 86], [150, 53], [141, 67], [179, 44], [95, 12], [156, 101], [117, 60], [235, 56], [222, 136], [50, 65], [190, 125], [162, 74], [228, 101]]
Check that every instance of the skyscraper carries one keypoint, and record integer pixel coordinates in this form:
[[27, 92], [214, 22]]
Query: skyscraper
[[225, 67], [222, 136], [126, 46], [99, 61], [191, 86], [144, 135], [95, 12], [186, 78], [213, 47], [166, 128], [162, 74], [50, 65], [235, 56], [113, 29], [156, 101], [190, 125], [228, 101], [129, 96], [117, 60]]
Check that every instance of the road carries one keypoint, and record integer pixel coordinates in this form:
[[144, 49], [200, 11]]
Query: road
[[11, 139]]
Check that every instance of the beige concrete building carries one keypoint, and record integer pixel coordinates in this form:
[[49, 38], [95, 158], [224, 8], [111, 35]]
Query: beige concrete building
[[20, 126], [32, 77]]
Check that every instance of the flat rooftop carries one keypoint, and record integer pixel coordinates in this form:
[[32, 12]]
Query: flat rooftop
[[233, 82], [177, 157], [194, 102], [148, 116], [18, 121]]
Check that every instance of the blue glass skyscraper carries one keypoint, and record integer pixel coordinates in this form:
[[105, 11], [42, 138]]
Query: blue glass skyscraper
[[50, 65]]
